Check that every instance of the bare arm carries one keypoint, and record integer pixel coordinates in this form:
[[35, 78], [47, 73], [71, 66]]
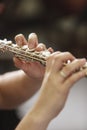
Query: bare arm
[[54, 91], [15, 88]]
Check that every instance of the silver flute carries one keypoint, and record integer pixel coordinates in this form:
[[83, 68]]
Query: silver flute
[[27, 54], [23, 52]]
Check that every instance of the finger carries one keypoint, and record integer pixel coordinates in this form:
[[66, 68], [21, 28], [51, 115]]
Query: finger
[[74, 78], [50, 49], [40, 47], [58, 59], [32, 41], [18, 63], [20, 40], [50, 60], [72, 67]]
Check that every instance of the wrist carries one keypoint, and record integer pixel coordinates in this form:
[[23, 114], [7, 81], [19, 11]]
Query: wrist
[[39, 120], [41, 111], [33, 121]]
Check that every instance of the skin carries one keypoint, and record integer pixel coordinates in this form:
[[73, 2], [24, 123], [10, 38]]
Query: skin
[[18, 86], [54, 90]]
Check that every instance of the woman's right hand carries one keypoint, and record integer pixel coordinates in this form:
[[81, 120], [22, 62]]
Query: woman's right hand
[[57, 82]]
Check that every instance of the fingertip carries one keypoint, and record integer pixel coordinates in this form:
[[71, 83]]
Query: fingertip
[[18, 35], [15, 59], [32, 35], [20, 39], [41, 47], [17, 62], [32, 40], [51, 49]]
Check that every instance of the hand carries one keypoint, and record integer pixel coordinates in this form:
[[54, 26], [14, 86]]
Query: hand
[[32, 69], [58, 80]]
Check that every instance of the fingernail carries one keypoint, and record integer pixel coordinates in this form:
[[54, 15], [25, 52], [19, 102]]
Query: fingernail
[[18, 39], [31, 45], [19, 42], [40, 48], [32, 40]]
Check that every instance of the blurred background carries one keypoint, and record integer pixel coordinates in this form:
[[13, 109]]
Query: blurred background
[[61, 24]]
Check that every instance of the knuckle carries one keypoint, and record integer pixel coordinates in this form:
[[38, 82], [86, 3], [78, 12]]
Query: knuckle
[[42, 45], [71, 80], [68, 53], [67, 69]]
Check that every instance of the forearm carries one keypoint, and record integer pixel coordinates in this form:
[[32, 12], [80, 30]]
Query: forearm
[[32, 123], [34, 120], [20, 87], [53, 93], [39, 117]]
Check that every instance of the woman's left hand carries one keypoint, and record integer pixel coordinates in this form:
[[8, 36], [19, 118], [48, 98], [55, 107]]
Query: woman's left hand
[[32, 69]]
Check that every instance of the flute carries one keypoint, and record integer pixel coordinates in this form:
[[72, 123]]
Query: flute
[[27, 54], [24, 53]]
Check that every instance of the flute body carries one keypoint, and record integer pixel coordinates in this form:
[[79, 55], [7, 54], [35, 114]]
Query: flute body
[[27, 54], [24, 52]]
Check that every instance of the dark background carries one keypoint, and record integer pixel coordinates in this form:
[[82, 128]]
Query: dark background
[[61, 24]]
